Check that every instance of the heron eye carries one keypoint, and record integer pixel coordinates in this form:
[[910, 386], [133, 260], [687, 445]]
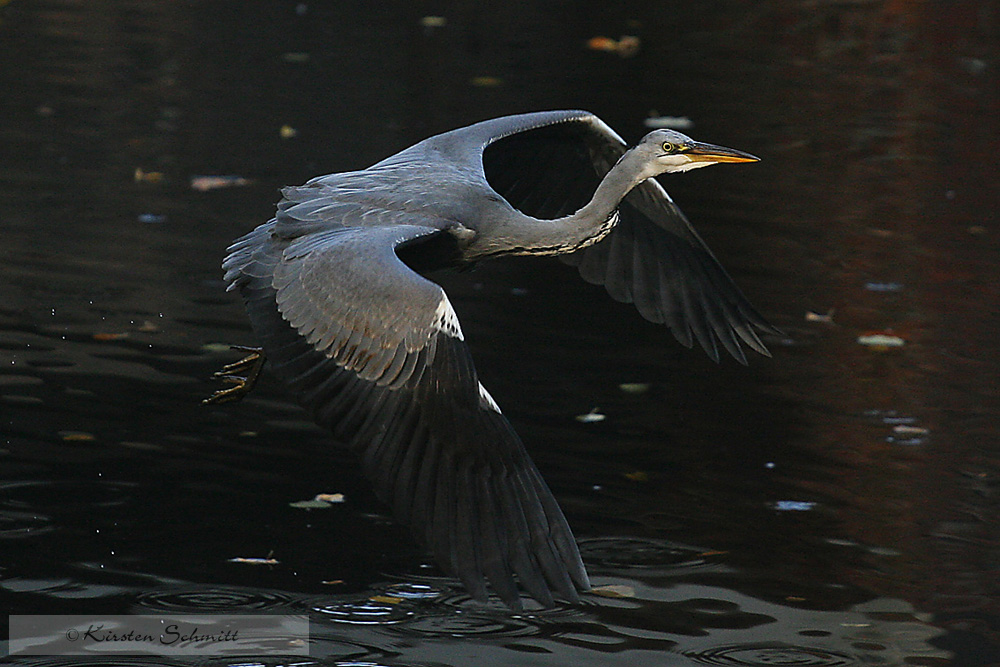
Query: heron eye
[[668, 147]]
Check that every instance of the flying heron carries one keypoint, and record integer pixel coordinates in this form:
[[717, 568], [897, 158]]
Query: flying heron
[[336, 292]]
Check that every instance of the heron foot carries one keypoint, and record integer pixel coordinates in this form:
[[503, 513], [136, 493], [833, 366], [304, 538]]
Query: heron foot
[[241, 374]]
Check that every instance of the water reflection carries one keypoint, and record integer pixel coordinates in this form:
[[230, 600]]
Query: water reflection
[[837, 494]]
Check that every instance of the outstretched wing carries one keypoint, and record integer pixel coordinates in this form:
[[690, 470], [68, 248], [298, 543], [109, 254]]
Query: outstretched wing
[[376, 351], [548, 165]]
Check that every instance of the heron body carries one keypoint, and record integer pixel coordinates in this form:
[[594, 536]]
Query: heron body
[[335, 290]]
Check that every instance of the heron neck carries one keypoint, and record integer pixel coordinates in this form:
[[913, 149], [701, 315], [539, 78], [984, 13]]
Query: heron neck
[[585, 227], [625, 175]]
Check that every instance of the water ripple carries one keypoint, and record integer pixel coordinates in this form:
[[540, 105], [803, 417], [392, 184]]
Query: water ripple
[[413, 591], [60, 497], [365, 613], [228, 600], [16, 525], [635, 552], [458, 615], [110, 661], [770, 655]]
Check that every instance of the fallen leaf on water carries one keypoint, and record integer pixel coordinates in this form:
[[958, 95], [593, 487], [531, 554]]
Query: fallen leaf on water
[[255, 561], [626, 47], [205, 183], [131, 444], [637, 476], [332, 582], [881, 342], [385, 599], [875, 286], [434, 21], [110, 336], [330, 497], [903, 429], [141, 176], [77, 436], [591, 417], [602, 44], [287, 132], [793, 505], [614, 591], [486, 81], [634, 387], [817, 317]]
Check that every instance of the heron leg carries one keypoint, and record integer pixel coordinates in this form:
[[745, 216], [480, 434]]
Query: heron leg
[[241, 374]]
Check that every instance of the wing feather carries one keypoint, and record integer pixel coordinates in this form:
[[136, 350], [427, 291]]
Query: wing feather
[[653, 258], [375, 351]]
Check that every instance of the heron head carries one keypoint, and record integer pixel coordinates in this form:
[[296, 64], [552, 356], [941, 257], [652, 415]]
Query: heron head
[[668, 151]]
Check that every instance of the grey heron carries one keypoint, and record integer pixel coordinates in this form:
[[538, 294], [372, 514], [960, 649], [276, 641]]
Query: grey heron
[[336, 292]]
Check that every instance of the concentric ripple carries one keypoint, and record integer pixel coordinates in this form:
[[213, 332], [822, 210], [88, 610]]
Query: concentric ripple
[[220, 600], [771, 655], [365, 613], [635, 552], [458, 615], [413, 591]]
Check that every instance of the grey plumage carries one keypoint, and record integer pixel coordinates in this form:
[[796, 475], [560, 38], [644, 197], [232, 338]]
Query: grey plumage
[[334, 291]]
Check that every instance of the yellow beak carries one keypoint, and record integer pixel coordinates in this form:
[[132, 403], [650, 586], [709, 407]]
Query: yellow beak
[[699, 152]]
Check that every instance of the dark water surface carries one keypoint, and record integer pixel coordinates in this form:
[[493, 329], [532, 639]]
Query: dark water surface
[[834, 505]]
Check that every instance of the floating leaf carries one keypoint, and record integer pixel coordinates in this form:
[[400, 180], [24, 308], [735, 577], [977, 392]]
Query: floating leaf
[[141, 176], [486, 81], [255, 561], [626, 47], [903, 429], [817, 317], [330, 497], [634, 387], [205, 183], [77, 436], [881, 342], [110, 336], [602, 44], [614, 591], [793, 505], [883, 287], [287, 132], [385, 599], [433, 21], [591, 417], [637, 476]]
